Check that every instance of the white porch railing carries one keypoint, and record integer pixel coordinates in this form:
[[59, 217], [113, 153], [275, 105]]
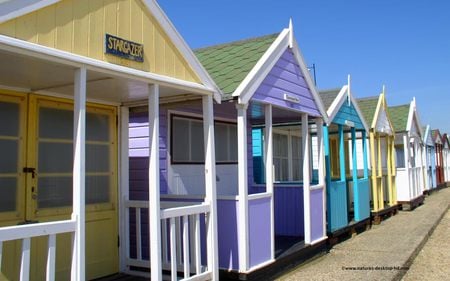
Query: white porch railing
[[415, 181], [180, 237], [26, 233]]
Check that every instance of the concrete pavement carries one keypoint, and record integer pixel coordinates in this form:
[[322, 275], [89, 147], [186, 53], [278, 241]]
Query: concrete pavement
[[385, 252]]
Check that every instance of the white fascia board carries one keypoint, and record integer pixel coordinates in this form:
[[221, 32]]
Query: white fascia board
[[410, 121], [254, 78], [23, 9], [183, 47], [298, 55], [337, 103], [419, 124], [377, 113], [358, 110], [17, 46]]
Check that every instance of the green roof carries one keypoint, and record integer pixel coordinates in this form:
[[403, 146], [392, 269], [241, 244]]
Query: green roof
[[368, 106], [228, 64], [328, 96], [399, 117]]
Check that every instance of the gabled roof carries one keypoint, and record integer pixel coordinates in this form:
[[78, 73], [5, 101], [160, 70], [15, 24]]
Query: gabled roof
[[399, 117], [368, 107], [10, 9], [445, 139], [334, 98], [436, 134], [228, 64], [427, 136], [265, 51]]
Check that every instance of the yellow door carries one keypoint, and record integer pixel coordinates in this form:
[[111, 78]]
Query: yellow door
[[46, 194]]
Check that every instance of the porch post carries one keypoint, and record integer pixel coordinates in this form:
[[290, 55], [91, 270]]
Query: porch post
[[124, 224], [153, 183], [406, 159], [389, 170], [341, 153], [355, 176], [374, 171], [79, 173], [393, 171], [380, 188], [243, 187], [306, 178], [210, 185], [321, 171], [364, 148], [268, 154]]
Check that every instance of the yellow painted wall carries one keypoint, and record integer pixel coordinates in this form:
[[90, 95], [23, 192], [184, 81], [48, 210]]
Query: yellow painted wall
[[79, 27]]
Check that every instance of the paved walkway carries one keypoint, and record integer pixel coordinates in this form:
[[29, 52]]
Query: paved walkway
[[386, 251]]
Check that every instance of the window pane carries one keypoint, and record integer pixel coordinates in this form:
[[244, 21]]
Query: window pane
[[97, 127], [197, 149], [280, 145], [55, 123], [9, 119], [97, 189], [55, 157], [8, 156], [8, 189], [221, 139], [180, 140], [97, 158], [233, 143], [281, 169], [297, 159], [400, 156], [54, 192]]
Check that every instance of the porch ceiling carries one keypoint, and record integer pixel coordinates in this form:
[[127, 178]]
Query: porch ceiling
[[36, 75], [280, 115]]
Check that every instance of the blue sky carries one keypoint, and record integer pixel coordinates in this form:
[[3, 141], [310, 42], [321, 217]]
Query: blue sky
[[402, 44]]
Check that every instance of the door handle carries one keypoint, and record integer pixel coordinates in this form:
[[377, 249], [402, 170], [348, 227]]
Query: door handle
[[30, 170]]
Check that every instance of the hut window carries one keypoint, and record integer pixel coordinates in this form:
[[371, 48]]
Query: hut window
[[400, 156], [187, 141], [287, 156], [334, 157]]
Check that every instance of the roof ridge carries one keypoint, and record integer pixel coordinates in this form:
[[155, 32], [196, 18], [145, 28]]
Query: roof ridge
[[237, 42], [400, 105], [368, 98]]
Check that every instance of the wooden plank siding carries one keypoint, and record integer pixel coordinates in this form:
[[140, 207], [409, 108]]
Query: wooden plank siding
[[286, 77], [79, 27]]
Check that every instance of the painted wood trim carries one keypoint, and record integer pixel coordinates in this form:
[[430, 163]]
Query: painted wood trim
[[301, 61], [254, 78], [25, 9], [243, 226], [41, 52], [365, 154], [124, 187], [268, 160], [154, 182], [210, 186], [183, 47], [341, 153], [337, 103], [322, 172], [306, 178], [79, 175]]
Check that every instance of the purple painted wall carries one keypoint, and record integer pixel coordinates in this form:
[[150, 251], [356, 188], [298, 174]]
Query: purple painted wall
[[227, 227], [289, 210], [287, 78], [316, 214], [259, 231]]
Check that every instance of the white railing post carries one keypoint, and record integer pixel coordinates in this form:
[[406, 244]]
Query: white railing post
[[210, 185], [25, 260], [407, 164], [268, 154], [79, 143], [51, 257], [306, 178], [321, 172], [124, 215], [243, 187], [154, 189]]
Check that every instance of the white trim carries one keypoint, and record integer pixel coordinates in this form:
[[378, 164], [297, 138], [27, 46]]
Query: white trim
[[319, 240], [41, 52], [268, 160], [243, 232], [321, 172], [337, 103], [124, 187], [79, 175], [257, 196], [25, 9], [301, 61], [210, 187], [255, 77], [183, 47], [261, 265], [154, 183], [306, 178]]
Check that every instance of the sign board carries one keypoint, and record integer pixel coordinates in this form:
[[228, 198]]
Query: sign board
[[123, 48], [290, 98]]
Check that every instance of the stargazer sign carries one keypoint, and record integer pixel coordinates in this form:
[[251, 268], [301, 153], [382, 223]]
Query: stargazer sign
[[123, 48]]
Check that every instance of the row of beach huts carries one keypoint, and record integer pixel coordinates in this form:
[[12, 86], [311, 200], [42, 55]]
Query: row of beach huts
[[124, 152]]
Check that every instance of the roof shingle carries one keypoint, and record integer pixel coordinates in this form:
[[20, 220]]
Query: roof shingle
[[399, 117], [368, 106]]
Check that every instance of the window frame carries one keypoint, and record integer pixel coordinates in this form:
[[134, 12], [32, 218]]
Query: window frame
[[196, 117]]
